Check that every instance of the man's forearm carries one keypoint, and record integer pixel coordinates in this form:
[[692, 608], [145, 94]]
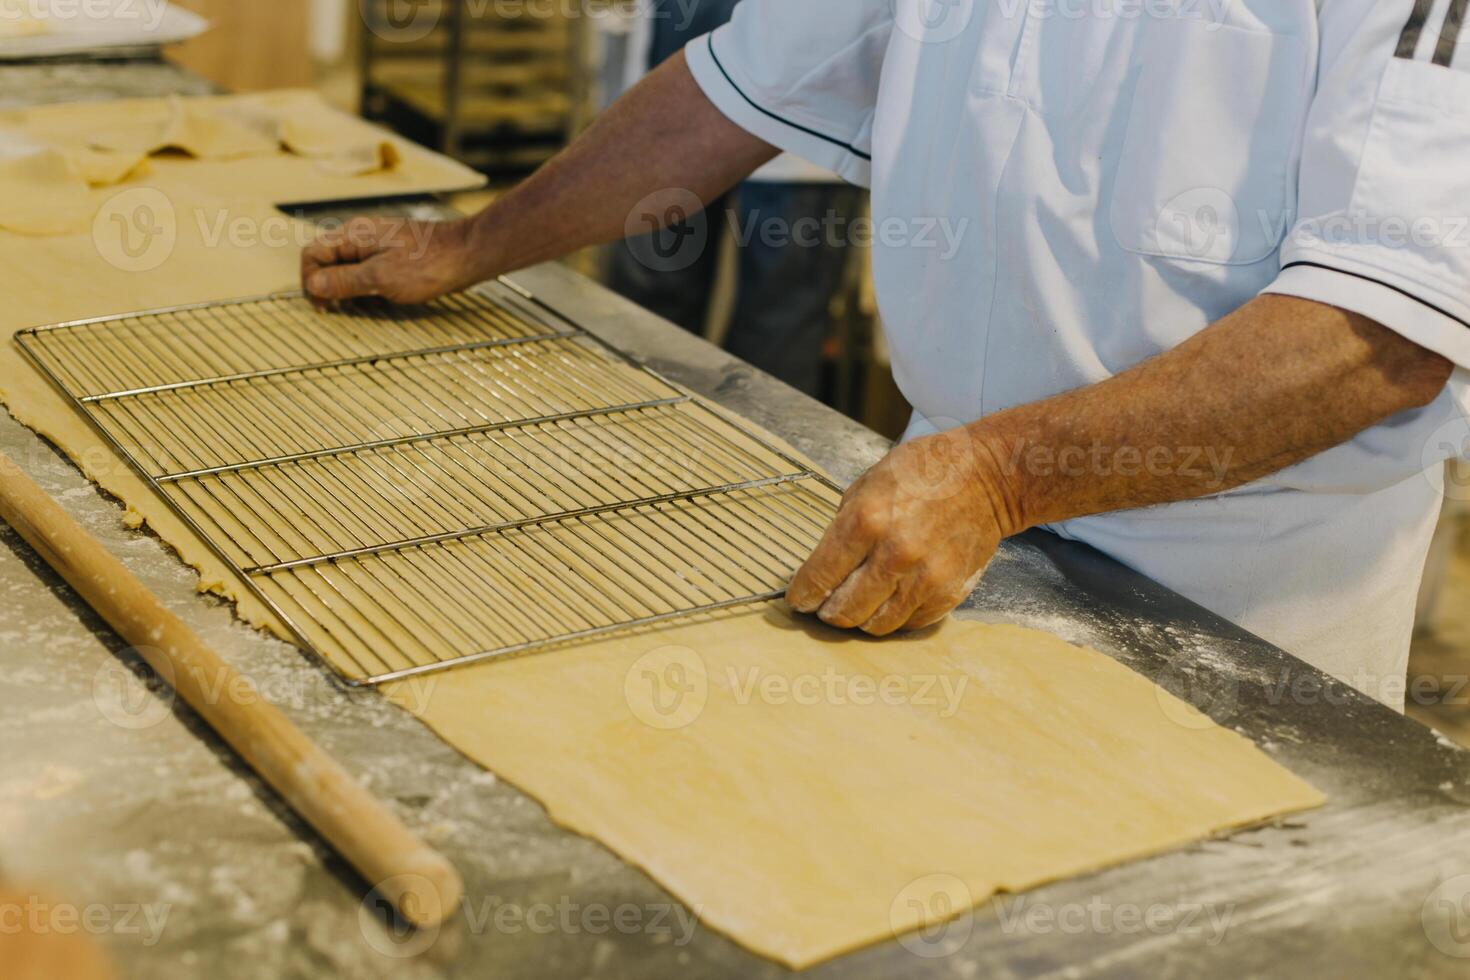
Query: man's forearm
[[1274, 384], [663, 135]]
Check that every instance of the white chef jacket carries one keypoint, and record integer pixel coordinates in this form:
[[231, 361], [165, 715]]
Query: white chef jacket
[[1116, 175]]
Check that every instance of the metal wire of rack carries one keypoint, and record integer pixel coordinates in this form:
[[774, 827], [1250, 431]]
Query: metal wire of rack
[[413, 489]]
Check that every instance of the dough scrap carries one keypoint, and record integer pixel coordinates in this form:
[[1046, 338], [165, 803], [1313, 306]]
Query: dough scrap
[[103, 168], [203, 131], [208, 131], [337, 150]]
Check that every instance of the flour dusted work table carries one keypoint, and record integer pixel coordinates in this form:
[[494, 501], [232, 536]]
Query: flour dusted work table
[[118, 800]]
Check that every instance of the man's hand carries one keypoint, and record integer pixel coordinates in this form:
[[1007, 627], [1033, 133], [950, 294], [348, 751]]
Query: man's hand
[[665, 134], [1274, 383], [910, 541], [400, 260]]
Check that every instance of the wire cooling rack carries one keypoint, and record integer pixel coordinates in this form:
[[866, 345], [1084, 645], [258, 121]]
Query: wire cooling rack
[[415, 488]]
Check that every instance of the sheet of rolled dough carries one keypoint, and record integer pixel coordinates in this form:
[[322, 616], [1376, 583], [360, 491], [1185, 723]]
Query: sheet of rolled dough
[[801, 828], [808, 792], [274, 174]]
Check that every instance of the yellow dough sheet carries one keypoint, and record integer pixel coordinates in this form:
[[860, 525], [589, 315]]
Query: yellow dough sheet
[[280, 147], [801, 827], [808, 792]]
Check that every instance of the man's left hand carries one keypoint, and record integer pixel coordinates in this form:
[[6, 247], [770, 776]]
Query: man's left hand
[[910, 541]]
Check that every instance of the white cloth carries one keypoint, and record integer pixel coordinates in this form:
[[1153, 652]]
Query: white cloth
[[1062, 189]]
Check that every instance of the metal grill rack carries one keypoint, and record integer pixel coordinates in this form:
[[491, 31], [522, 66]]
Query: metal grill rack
[[411, 489]]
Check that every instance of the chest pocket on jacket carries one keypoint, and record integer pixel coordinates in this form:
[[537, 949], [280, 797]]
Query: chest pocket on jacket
[[1208, 161]]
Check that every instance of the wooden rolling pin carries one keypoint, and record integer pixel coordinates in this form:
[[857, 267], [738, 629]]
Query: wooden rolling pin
[[421, 884]]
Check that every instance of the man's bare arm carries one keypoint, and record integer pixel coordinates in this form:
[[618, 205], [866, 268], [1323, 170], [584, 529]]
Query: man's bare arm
[[664, 134], [1276, 383]]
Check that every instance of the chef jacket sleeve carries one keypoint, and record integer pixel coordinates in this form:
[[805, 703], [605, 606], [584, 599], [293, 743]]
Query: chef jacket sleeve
[[1383, 225], [801, 75]]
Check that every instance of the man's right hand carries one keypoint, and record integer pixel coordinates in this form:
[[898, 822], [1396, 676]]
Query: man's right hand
[[395, 258], [664, 135]]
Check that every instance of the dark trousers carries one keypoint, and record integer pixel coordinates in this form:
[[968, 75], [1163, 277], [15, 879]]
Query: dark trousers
[[792, 241]]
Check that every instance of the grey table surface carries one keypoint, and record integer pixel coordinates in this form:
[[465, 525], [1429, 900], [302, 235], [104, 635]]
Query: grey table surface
[[121, 803]]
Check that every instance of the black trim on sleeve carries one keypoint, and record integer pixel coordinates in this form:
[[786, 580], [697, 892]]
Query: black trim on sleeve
[[1414, 29], [709, 40], [1385, 285], [1449, 35]]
